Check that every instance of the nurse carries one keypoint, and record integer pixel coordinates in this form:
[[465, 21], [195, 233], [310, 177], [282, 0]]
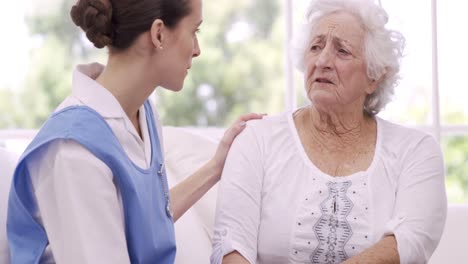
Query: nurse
[[91, 187]]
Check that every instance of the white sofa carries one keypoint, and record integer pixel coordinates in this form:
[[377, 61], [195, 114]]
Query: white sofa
[[184, 152], [7, 165], [187, 149], [453, 247]]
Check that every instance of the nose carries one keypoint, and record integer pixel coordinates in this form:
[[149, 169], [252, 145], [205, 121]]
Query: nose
[[196, 48], [325, 58]]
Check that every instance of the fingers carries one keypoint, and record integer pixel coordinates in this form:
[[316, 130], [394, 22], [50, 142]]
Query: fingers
[[238, 126], [232, 132], [250, 116], [230, 135]]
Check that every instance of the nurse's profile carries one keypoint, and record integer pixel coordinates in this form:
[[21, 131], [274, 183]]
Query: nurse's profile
[[91, 187]]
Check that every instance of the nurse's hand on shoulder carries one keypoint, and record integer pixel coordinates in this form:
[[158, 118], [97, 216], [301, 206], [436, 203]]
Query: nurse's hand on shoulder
[[229, 136]]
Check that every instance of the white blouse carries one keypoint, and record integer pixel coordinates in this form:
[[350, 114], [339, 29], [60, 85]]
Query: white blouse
[[276, 206], [79, 204]]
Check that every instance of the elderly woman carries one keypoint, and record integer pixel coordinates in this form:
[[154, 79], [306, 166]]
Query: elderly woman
[[332, 182]]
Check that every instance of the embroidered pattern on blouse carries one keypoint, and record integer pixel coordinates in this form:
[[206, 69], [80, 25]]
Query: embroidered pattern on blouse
[[332, 229]]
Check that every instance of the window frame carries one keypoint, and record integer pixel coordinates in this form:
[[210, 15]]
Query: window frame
[[436, 127]]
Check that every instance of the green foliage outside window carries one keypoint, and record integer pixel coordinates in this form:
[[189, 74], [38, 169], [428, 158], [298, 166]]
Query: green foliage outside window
[[240, 68]]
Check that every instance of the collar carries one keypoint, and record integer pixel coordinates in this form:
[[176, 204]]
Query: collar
[[92, 94]]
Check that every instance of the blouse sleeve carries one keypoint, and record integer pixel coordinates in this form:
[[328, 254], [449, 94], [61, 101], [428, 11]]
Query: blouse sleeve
[[239, 200], [421, 203], [79, 205]]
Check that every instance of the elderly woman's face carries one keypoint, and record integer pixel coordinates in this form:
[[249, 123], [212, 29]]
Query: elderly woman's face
[[336, 73]]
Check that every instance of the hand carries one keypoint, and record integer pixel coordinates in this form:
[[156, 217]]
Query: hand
[[229, 136]]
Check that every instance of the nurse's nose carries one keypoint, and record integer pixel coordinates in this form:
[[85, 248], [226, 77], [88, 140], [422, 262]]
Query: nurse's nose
[[196, 49]]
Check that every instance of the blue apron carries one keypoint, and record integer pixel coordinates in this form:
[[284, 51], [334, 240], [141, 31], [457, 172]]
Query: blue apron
[[149, 228]]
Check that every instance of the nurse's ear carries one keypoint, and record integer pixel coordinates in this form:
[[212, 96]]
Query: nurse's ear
[[157, 33]]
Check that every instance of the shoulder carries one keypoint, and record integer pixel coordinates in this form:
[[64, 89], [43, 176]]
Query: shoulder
[[77, 121], [406, 142], [270, 125], [70, 100], [399, 133], [268, 135], [71, 134], [266, 130], [60, 154], [62, 150]]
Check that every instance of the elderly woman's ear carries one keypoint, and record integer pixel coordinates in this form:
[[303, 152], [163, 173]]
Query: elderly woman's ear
[[375, 83]]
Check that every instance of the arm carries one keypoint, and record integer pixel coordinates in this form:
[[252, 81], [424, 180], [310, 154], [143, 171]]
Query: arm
[[421, 202], [79, 205], [417, 222], [238, 207], [235, 258], [189, 191], [383, 252]]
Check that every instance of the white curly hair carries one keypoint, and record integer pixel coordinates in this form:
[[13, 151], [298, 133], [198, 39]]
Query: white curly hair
[[383, 48]]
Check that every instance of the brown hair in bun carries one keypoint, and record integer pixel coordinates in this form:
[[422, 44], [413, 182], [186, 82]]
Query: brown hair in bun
[[117, 23], [95, 18]]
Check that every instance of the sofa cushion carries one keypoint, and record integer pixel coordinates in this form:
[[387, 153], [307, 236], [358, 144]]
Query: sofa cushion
[[7, 164], [185, 152]]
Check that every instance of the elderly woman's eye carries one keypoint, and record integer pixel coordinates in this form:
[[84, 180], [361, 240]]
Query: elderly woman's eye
[[315, 48], [343, 52]]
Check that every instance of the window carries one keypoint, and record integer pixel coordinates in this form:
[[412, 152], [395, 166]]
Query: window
[[241, 68], [244, 67], [453, 90]]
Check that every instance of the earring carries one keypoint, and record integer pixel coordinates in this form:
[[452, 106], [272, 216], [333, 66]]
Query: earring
[[161, 47]]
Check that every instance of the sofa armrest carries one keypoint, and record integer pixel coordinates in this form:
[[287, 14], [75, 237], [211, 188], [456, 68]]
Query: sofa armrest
[[452, 247]]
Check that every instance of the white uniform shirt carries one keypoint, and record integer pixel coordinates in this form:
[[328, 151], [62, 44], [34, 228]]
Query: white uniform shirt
[[79, 203], [276, 206]]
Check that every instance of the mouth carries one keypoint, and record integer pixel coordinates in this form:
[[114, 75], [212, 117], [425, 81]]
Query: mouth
[[323, 80]]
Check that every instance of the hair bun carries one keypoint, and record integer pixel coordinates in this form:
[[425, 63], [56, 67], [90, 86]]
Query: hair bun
[[95, 18]]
